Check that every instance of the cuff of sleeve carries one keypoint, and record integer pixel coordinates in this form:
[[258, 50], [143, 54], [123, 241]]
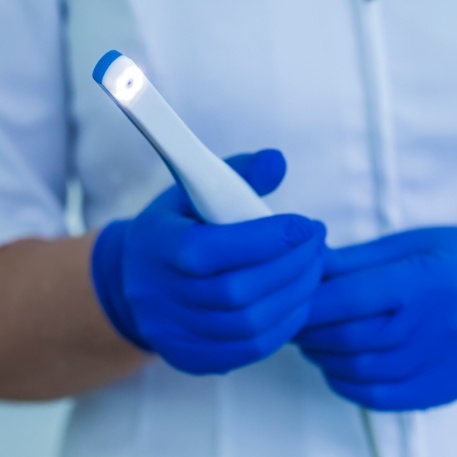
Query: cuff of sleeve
[[107, 277]]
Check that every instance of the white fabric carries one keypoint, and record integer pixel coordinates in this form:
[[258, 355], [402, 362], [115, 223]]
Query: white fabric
[[245, 75], [33, 126]]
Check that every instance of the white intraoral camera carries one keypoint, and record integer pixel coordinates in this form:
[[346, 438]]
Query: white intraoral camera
[[217, 192]]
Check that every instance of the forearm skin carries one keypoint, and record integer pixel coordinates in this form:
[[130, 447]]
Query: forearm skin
[[55, 340]]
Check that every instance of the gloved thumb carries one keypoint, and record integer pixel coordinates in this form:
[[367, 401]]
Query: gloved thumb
[[263, 170]]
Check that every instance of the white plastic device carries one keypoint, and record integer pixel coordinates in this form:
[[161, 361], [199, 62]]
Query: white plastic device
[[217, 192]]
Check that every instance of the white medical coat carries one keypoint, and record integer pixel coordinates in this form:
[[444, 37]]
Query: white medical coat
[[361, 97]]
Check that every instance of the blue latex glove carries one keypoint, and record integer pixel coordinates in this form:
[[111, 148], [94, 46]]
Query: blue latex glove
[[210, 298], [383, 326]]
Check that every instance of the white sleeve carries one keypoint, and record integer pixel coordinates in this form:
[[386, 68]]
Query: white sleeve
[[33, 124]]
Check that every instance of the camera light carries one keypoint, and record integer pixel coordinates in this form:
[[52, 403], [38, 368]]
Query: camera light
[[128, 84]]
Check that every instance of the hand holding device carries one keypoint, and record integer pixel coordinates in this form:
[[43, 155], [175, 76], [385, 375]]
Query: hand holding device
[[210, 298], [383, 325], [207, 298]]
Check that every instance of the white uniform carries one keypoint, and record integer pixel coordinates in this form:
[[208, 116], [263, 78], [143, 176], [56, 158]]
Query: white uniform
[[360, 95]]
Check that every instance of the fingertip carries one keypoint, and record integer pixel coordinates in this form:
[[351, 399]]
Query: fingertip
[[320, 229], [299, 230], [263, 170], [273, 158], [270, 163]]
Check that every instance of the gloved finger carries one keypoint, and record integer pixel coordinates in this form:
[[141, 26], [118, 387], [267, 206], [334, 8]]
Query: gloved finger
[[222, 356], [364, 293], [368, 367], [205, 250], [263, 170], [253, 320], [236, 289], [386, 331], [420, 391], [388, 249]]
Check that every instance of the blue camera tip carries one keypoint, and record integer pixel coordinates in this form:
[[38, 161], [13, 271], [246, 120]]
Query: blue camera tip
[[103, 65]]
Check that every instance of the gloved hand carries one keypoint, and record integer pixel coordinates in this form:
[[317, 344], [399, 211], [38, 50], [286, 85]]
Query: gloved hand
[[383, 326], [210, 298]]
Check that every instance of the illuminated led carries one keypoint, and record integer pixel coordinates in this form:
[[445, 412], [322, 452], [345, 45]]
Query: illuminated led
[[129, 84]]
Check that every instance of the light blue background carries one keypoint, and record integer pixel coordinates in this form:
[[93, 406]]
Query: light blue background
[[32, 430]]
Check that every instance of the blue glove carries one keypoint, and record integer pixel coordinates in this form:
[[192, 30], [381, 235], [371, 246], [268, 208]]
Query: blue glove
[[383, 326], [210, 298]]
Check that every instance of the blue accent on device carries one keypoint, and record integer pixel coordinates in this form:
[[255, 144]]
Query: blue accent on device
[[103, 65]]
